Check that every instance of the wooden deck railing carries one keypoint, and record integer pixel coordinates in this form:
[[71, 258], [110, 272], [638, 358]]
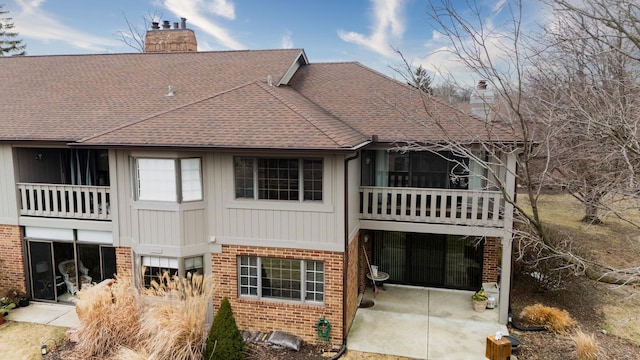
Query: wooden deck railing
[[440, 206], [65, 201]]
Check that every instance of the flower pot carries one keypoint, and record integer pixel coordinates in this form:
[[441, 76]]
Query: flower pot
[[480, 306]]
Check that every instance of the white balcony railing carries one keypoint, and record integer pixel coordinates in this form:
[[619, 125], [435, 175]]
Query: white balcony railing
[[65, 201], [440, 206]]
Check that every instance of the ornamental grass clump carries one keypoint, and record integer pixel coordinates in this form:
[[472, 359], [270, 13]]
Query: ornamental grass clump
[[586, 346], [553, 319], [173, 326], [109, 318]]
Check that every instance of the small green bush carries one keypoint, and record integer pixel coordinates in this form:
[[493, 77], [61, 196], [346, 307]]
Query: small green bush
[[225, 340]]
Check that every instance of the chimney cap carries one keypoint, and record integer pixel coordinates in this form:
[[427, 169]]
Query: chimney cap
[[482, 85]]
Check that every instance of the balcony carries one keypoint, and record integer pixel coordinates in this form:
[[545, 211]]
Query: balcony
[[437, 206], [65, 201]]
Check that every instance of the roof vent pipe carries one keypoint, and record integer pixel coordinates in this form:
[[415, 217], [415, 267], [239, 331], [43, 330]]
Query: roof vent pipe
[[183, 23]]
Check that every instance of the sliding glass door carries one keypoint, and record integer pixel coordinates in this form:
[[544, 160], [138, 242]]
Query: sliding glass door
[[434, 260], [42, 270], [58, 269]]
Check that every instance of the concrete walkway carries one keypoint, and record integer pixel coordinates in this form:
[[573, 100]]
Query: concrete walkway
[[423, 323], [46, 313]]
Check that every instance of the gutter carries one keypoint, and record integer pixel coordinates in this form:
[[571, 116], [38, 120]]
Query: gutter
[[345, 267]]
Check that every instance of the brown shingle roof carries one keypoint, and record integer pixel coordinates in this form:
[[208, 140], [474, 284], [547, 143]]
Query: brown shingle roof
[[375, 104], [221, 99], [254, 115], [66, 98]]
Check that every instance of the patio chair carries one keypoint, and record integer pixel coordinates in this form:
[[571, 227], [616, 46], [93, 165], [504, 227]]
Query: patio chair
[[68, 271]]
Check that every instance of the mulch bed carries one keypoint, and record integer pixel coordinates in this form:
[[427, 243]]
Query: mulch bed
[[583, 299]]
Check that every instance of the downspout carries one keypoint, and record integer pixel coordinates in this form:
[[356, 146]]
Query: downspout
[[345, 267]]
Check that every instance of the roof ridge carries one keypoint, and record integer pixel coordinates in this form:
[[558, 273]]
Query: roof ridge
[[135, 122], [307, 117]]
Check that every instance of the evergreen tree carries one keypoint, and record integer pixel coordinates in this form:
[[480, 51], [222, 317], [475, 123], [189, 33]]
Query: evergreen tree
[[423, 80], [225, 340], [10, 44]]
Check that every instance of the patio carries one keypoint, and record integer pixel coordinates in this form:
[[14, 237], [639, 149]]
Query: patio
[[423, 323]]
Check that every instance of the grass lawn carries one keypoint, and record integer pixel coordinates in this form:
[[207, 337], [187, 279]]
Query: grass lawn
[[22, 340], [615, 242]]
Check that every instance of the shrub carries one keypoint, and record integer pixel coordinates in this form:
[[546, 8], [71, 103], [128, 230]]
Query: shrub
[[173, 327], [225, 340], [553, 319], [586, 346], [109, 315]]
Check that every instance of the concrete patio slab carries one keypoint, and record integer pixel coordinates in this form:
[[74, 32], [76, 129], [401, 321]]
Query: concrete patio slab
[[423, 323], [384, 332], [45, 313]]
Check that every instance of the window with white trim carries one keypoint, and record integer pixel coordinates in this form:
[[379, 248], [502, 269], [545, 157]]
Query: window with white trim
[[154, 267], [173, 180], [281, 279], [278, 178]]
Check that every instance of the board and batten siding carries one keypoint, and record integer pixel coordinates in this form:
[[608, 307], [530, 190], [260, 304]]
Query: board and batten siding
[[8, 191], [290, 224], [120, 172], [155, 223]]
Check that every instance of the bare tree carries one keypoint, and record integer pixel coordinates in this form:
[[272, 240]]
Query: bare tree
[[588, 94], [508, 60], [134, 35]]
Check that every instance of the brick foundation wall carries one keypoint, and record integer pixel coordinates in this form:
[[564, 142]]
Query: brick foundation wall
[[353, 281], [269, 315], [491, 260], [124, 263], [363, 267], [12, 271]]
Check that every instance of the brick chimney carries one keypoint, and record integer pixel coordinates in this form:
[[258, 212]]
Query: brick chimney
[[166, 39]]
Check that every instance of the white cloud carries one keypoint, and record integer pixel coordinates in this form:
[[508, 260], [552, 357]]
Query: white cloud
[[32, 22], [223, 8], [196, 12], [388, 26], [286, 42]]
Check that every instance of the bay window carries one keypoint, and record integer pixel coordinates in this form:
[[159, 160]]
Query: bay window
[[172, 180], [155, 267]]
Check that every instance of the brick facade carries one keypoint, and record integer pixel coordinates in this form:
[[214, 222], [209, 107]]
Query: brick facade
[[269, 315], [124, 262], [12, 271], [491, 259], [363, 267], [353, 281]]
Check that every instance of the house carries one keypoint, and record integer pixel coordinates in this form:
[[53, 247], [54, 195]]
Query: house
[[274, 174]]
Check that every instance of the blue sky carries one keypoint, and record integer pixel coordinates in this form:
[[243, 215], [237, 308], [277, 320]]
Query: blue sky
[[366, 31]]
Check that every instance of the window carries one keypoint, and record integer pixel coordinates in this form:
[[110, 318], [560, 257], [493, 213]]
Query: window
[[165, 179], [282, 279], [191, 181], [278, 178], [156, 266]]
